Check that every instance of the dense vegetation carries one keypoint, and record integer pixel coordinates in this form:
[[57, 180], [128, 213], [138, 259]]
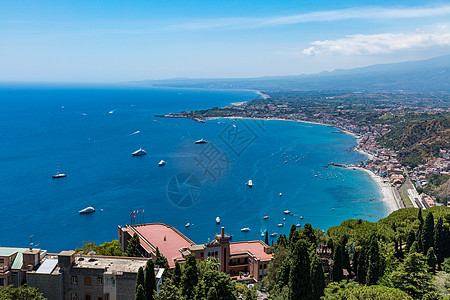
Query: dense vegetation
[[106, 249], [419, 142], [404, 256], [22, 293]]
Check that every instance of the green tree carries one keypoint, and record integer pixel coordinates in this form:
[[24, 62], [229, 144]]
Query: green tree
[[420, 218], [161, 261], [428, 232], [410, 240], [20, 293], [291, 234], [317, 278], [374, 268], [309, 233], [212, 294], [378, 292], [140, 294], [282, 240], [266, 238], [338, 266], [139, 279], [225, 288], [189, 278], [149, 280], [412, 276], [168, 291], [415, 247], [431, 259], [439, 246], [134, 246], [177, 274], [299, 275]]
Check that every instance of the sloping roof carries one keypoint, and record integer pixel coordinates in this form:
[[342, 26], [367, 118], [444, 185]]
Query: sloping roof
[[18, 261], [47, 266]]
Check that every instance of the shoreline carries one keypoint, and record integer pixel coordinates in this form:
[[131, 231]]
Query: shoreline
[[385, 189]]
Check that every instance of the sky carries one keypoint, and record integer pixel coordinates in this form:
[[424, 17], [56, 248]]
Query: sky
[[116, 41]]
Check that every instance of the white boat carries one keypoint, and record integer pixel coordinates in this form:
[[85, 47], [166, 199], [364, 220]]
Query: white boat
[[246, 229], [287, 211], [162, 163], [298, 225], [250, 183], [280, 225], [301, 217], [187, 224], [273, 234], [281, 194], [201, 141], [139, 152], [59, 175], [265, 217], [87, 210], [262, 234], [218, 220]]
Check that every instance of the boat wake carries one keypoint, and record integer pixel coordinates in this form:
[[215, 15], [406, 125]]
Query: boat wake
[[136, 132]]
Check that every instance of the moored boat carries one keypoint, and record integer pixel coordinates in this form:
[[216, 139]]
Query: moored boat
[[218, 220], [287, 211], [87, 210], [273, 234], [265, 217], [162, 163], [201, 141], [139, 152], [250, 183], [245, 229]]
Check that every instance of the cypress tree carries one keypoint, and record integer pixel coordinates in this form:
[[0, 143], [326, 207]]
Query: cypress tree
[[420, 218], [361, 269], [338, 265], [266, 238], [374, 271], [431, 259], [345, 256], [161, 261], [428, 233], [139, 279], [149, 280], [309, 234], [189, 277], [133, 246], [177, 274], [439, 241], [410, 240], [282, 240], [140, 294], [317, 278], [291, 234], [299, 275], [330, 244]]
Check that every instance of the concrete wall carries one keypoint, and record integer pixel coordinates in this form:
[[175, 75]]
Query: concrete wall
[[49, 285]]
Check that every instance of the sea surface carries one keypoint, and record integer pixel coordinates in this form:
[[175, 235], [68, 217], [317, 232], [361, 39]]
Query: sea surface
[[90, 131]]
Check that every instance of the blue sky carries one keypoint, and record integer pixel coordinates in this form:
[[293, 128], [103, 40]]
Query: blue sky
[[110, 41]]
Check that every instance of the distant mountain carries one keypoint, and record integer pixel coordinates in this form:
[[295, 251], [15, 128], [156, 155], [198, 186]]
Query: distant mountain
[[431, 75]]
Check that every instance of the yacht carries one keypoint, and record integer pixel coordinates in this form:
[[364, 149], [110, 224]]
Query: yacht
[[250, 183], [201, 141], [287, 211], [273, 234], [262, 234], [246, 229], [265, 217], [187, 224], [59, 175], [280, 225], [218, 220], [298, 225], [301, 217], [87, 210], [139, 152], [162, 163], [281, 194]]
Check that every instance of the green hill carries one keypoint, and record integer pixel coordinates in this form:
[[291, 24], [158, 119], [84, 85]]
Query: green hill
[[418, 143]]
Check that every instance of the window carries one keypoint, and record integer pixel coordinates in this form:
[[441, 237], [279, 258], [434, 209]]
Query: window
[[201, 254], [87, 280], [2, 261], [87, 297], [99, 280], [216, 253], [74, 280], [100, 298], [74, 294]]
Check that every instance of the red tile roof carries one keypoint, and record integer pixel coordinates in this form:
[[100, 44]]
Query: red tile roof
[[254, 247], [170, 247]]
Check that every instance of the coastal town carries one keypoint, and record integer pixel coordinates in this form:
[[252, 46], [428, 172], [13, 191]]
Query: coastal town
[[368, 117]]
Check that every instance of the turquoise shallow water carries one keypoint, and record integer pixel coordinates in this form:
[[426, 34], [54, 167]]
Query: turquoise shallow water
[[88, 131]]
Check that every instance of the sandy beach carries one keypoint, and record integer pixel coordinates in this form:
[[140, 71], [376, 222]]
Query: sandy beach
[[388, 194]]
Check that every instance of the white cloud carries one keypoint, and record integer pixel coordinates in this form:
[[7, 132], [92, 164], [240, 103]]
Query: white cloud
[[378, 43]]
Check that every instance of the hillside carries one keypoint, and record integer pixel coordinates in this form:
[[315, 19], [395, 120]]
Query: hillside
[[420, 142]]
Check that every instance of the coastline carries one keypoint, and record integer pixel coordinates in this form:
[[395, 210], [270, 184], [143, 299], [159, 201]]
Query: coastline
[[386, 190]]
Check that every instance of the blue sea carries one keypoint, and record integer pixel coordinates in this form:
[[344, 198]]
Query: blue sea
[[90, 131]]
